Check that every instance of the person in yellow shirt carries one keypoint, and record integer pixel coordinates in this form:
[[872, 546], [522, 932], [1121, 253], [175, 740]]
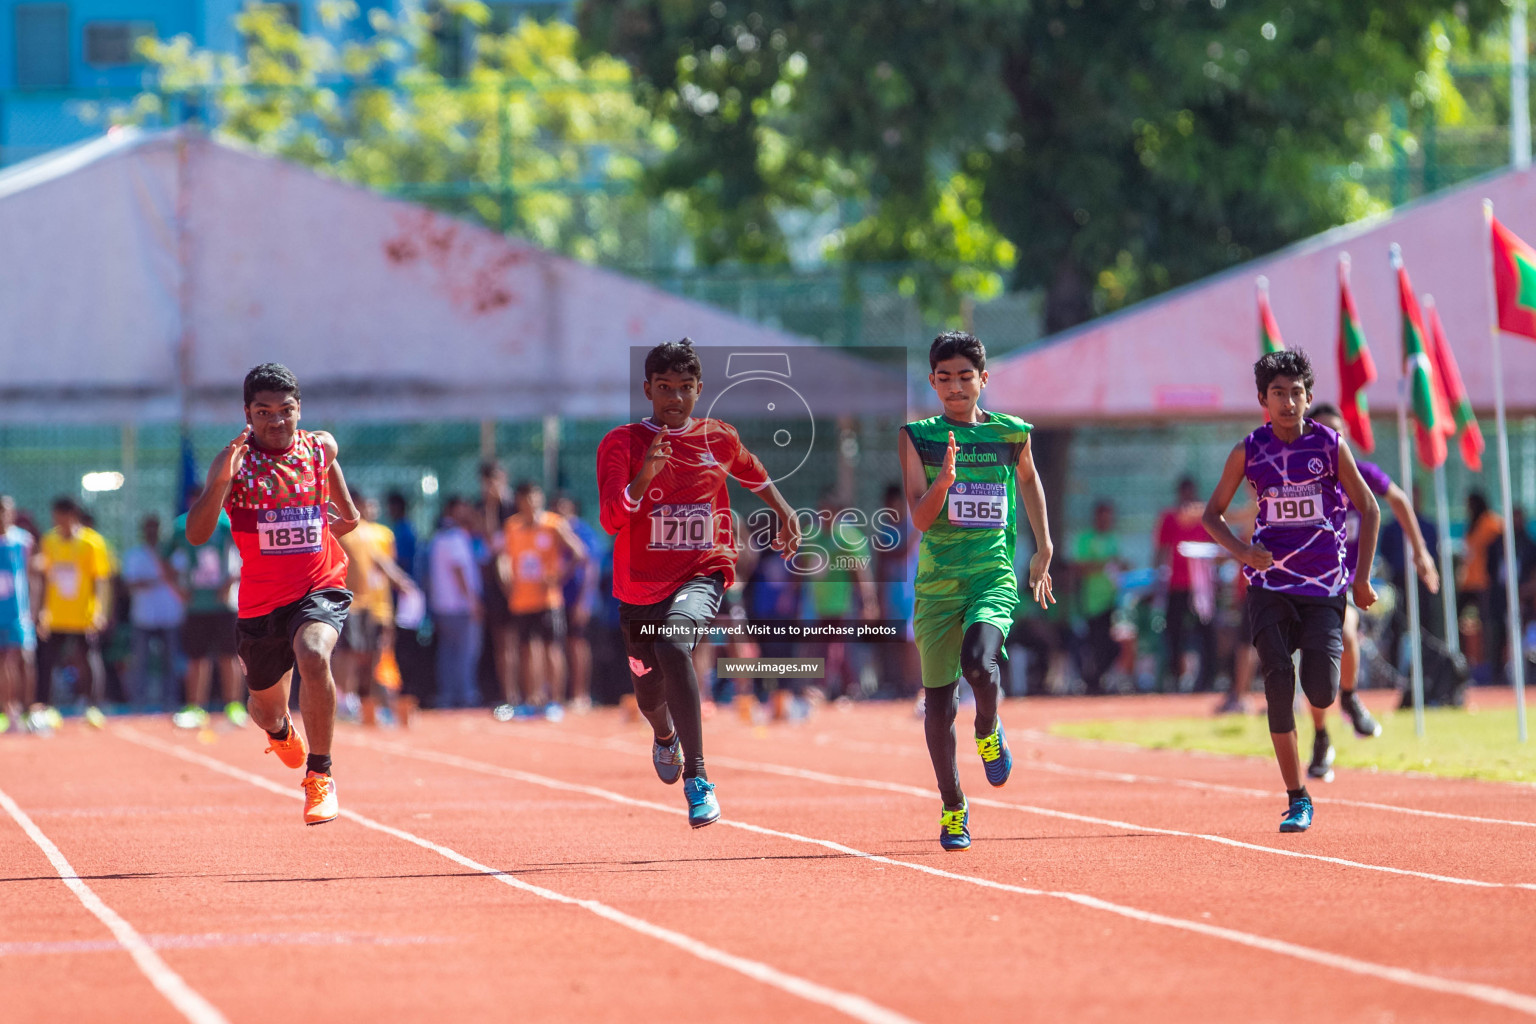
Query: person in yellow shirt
[[76, 566], [373, 576], [540, 549]]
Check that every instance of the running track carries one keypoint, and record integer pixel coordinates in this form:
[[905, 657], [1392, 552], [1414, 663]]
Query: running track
[[539, 872]]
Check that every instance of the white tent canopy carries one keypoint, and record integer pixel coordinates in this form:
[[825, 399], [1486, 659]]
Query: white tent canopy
[[142, 269], [1190, 353]]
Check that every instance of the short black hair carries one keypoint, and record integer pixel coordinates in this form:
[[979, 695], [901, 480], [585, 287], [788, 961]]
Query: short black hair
[[674, 357], [67, 505], [525, 487], [357, 496], [1324, 409], [957, 343], [489, 468], [396, 498], [1290, 362], [271, 377]]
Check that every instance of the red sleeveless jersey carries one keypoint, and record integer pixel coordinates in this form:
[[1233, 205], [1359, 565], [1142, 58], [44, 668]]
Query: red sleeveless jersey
[[277, 508]]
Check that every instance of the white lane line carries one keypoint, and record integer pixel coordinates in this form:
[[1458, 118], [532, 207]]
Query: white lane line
[[1032, 764], [1400, 975], [1086, 819], [847, 1003], [167, 982]]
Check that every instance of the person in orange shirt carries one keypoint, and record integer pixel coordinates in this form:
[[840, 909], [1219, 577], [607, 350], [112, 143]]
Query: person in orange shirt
[[1477, 584], [373, 576], [540, 548]]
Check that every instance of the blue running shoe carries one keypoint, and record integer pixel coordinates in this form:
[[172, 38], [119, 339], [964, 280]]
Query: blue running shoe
[[668, 760], [955, 828], [703, 808], [996, 758], [1298, 817]]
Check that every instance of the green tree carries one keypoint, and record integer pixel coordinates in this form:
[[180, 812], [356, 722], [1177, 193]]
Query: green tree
[[531, 138], [1120, 147]]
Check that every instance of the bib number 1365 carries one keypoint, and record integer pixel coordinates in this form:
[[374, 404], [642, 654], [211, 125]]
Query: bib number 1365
[[290, 531], [978, 505]]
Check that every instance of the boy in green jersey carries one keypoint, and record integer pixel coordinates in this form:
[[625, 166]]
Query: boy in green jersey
[[965, 473]]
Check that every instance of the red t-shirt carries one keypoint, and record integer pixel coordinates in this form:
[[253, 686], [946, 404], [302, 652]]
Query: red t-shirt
[[681, 526], [277, 508], [1176, 526]]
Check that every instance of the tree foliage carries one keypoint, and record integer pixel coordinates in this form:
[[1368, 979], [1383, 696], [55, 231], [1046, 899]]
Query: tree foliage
[[1105, 149], [532, 138]]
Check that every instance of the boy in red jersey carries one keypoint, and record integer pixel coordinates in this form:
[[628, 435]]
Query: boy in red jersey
[[662, 485], [281, 486]]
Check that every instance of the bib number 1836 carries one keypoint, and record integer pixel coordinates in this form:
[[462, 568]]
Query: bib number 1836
[[290, 531]]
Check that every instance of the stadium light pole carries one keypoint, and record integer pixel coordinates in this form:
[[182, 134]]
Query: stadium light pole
[[1410, 577]]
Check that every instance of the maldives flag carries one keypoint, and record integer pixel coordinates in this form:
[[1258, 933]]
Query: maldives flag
[[1455, 392], [1426, 405], [1269, 330], [1356, 368], [1514, 282]]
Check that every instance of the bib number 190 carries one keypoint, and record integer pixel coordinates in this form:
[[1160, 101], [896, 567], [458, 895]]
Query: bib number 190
[[1304, 509]]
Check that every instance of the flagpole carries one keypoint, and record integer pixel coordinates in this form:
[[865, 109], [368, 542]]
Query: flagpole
[[1410, 576], [1511, 567], [1447, 563]]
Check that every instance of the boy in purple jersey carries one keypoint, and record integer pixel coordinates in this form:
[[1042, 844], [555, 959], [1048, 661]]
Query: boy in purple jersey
[[1380, 484], [1296, 566]]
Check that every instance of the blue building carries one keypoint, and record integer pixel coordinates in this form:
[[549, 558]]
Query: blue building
[[61, 61]]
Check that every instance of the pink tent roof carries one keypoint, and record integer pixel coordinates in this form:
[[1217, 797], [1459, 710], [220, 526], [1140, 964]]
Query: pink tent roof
[[1189, 354]]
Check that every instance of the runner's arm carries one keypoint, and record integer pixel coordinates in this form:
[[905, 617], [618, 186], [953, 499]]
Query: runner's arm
[[1214, 518], [1402, 509], [347, 514], [1032, 494], [925, 501], [615, 507], [1370, 515]]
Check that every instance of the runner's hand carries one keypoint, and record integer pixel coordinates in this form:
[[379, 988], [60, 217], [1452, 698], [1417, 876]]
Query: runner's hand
[[1364, 593], [1257, 557], [652, 462], [229, 460], [946, 475], [1039, 575], [1425, 567], [788, 540]]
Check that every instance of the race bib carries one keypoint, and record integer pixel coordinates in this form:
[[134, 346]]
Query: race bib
[[979, 506], [682, 527], [1296, 510], [290, 531], [65, 578], [209, 572]]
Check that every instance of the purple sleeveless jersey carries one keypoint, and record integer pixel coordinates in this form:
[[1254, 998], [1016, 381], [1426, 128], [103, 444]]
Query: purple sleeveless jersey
[[1301, 512]]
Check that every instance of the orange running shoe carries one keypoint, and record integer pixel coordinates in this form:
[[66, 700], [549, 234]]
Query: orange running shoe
[[290, 751], [320, 804]]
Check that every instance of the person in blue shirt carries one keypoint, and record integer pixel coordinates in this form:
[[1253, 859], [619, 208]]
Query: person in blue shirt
[[18, 637]]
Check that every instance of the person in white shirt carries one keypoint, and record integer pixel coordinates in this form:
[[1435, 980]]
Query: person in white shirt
[[155, 612], [454, 587]]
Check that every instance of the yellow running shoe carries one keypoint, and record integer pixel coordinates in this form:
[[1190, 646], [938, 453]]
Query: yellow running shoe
[[290, 751], [320, 804]]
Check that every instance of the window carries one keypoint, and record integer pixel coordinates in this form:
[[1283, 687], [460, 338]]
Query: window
[[42, 46], [115, 43]]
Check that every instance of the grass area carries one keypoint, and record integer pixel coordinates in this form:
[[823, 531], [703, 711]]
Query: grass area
[[1457, 743]]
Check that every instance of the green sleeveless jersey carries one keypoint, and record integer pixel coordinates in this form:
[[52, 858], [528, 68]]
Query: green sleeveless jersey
[[974, 537]]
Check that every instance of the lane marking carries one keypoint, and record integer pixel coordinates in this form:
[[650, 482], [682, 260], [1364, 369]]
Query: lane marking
[[216, 940], [911, 750], [847, 1003], [1086, 819], [1401, 975], [167, 982]]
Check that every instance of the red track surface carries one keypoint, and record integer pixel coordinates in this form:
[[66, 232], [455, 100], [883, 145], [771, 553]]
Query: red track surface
[[1103, 890]]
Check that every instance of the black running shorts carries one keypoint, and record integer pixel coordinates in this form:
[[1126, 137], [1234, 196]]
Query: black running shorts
[[266, 641]]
